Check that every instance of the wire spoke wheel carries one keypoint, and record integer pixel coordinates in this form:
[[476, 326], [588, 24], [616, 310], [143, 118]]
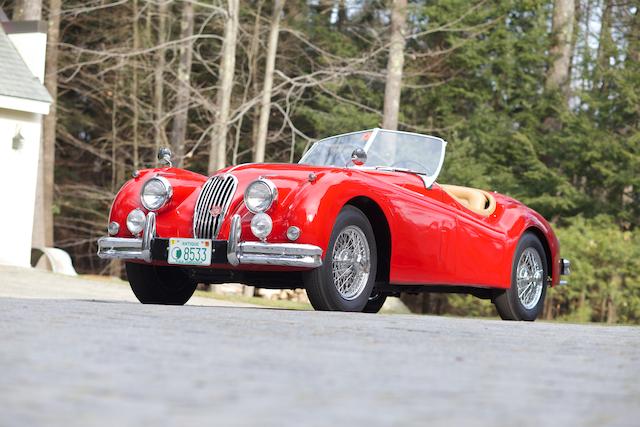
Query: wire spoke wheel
[[346, 278], [530, 278], [351, 263]]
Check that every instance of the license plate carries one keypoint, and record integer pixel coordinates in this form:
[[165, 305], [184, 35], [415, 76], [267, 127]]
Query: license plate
[[189, 251]]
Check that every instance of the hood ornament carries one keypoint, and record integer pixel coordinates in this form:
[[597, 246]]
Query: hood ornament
[[164, 155]]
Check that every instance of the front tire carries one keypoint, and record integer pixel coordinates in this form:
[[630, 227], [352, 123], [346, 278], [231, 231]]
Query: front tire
[[524, 300], [375, 303], [345, 280], [159, 285]]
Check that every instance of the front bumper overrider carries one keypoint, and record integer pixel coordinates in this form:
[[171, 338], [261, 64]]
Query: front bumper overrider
[[150, 248]]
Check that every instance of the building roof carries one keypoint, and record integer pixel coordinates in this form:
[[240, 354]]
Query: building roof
[[16, 79]]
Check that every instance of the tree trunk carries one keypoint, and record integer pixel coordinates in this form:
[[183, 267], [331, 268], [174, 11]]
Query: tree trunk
[[50, 120], [218, 149], [633, 48], [559, 76], [605, 45], [265, 104], [117, 171], [251, 88], [160, 138], [179, 131], [134, 89], [395, 65], [27, 10]]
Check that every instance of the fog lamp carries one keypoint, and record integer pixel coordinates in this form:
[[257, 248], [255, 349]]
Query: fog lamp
[[261, 225], [135, 221]]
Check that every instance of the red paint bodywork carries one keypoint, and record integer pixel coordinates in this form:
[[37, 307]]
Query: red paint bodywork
[[434, 239]]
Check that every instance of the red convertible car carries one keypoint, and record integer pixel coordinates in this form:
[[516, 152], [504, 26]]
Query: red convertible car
[[359, 218]]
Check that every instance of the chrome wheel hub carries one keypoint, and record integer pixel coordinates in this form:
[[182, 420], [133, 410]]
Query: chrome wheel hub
[[351, 262], [530, 278]]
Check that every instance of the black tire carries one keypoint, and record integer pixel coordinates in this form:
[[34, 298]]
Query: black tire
[[375, 303], [319, 283], [159, 285], [507, 302]]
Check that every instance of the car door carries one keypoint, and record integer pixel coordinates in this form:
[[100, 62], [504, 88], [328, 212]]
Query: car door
[[424, 242], [480, 249]]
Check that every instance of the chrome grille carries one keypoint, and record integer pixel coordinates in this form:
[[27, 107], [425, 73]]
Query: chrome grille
[[216, 192]]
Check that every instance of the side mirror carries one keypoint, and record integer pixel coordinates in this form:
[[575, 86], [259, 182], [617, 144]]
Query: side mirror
[[164, 155], [359, 157]]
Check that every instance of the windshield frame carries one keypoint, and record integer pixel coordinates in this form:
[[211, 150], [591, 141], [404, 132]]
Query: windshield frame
[[427, 179]]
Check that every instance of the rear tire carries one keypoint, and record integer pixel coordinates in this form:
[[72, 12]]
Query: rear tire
[[524, 300], [345, 280], [160, 285]]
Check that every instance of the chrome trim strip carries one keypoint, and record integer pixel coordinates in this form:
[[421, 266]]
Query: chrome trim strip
[[259, 253]]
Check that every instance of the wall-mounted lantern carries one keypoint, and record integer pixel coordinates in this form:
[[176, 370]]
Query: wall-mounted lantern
[[18, 141]]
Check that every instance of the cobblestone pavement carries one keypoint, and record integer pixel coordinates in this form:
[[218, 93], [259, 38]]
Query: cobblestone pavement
[[86, 361]]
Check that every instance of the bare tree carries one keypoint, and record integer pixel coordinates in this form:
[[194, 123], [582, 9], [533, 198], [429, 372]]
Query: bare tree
[[395, 65], [265, 104], [27, 10], [558, 76], [50, 120], [160, 61], [31, 10], [179, 131], [135, 86], [218, 149]]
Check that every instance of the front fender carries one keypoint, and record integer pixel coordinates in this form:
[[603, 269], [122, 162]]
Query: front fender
[[175, 218], [316, 205]]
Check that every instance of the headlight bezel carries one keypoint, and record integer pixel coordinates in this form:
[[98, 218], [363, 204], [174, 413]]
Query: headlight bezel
[[273, 192], [168, 193]]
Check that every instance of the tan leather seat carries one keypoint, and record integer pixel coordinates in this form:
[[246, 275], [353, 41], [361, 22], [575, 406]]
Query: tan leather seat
[[478, 201]]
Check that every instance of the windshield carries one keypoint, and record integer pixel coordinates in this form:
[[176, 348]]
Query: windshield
[[385, 149], [336, 151]]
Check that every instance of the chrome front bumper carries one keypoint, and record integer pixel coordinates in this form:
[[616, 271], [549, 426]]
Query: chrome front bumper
[[250, 253], [259, 253]]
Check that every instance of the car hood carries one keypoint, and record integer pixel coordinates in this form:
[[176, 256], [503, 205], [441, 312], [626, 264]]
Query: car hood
[[290, 179]]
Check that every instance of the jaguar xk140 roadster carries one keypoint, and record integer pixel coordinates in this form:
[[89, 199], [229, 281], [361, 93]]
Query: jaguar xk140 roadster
[[359, 218]]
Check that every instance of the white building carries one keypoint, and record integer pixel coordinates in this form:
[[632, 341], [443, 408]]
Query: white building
[[23, 102]]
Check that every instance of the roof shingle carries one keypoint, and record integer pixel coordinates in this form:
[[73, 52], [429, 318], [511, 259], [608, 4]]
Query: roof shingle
[[16, 79]]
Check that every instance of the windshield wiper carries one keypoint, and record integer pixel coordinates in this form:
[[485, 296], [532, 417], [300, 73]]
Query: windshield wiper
[[394, 169]]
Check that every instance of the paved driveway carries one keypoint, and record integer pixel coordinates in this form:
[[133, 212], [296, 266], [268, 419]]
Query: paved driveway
[[82, 360]]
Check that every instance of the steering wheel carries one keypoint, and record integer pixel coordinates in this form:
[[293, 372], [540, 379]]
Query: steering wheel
[[421, 168]]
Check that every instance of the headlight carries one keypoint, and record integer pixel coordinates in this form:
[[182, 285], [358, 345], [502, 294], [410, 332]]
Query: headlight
[[261, 225], [156, 193], [135, 221], [260, 195]]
